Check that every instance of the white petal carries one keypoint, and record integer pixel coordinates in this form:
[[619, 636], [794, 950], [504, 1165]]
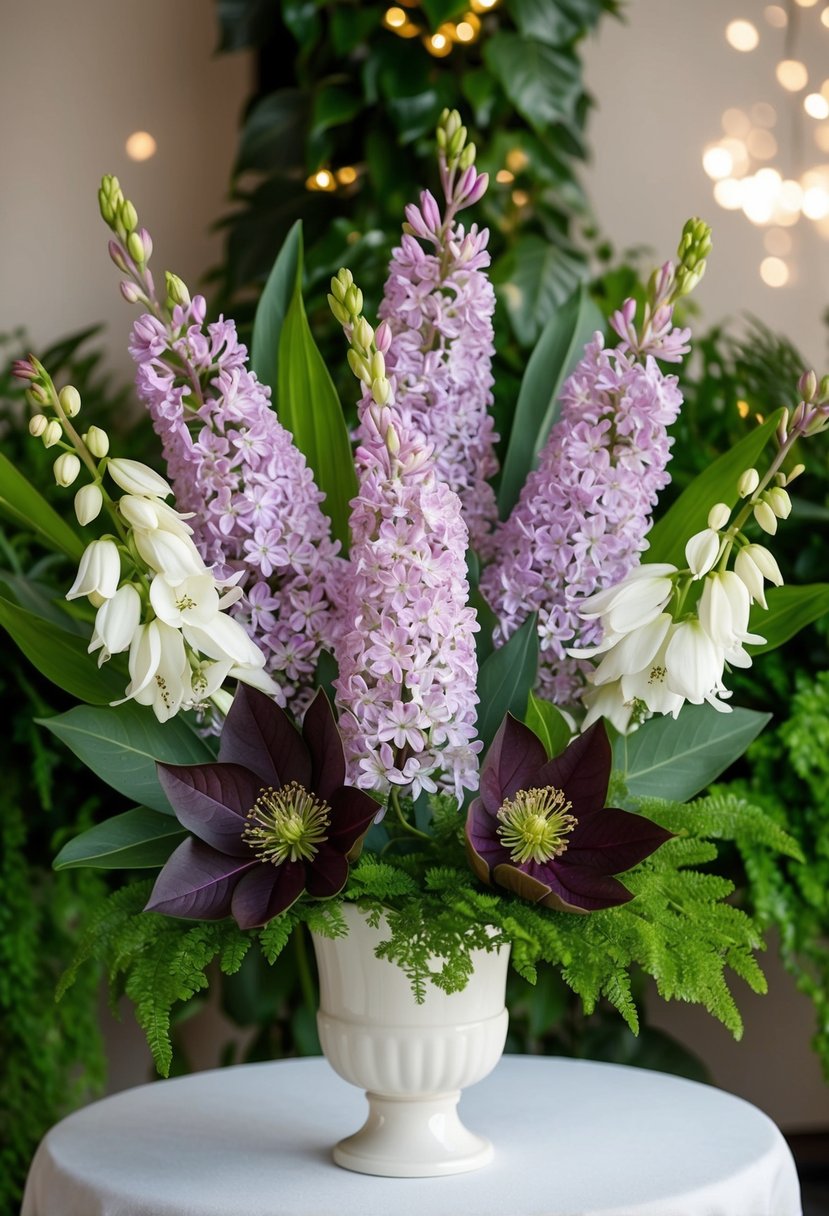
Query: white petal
[[694, 662], [137, 478], [634, 652], [701, 551]]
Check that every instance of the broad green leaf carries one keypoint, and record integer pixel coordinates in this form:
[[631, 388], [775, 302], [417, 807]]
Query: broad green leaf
[[42, 601], [505, 680], [136, 840], [274, 132], [61, 656], [30, 510], [439, 11], [542, 83], [549, 723], [310, 408], [555, 22], [333, 106], [533, 279], [272, 309], [555, 355], [121, 745], [790, 609], [689, 514], [675, 759]]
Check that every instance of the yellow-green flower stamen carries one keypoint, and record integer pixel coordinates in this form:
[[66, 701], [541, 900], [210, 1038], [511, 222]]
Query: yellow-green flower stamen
[[534, 825], [288, 824]]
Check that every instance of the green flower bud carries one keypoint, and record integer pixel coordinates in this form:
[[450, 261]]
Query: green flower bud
[[339, 310], [354, 301], [392, 441], [66, 468], [363, 335], [70, 399], [359, 366], [97, 441], [136, 248], [52, 434], [128, 216], [37, 425], [177, 292], [467, 156], [381, 390]]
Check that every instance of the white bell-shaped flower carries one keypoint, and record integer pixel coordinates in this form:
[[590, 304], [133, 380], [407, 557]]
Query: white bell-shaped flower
[[116, 623], [633, 652], [701, 551], [194, 601], [724, 608], [649, 685], [159, 669], [98, 574], [224, 638], [694, 663], [634, 602], [136, 478], [174, 557]]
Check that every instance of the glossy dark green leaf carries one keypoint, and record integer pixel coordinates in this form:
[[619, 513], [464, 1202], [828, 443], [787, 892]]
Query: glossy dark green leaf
[[22, 503], [533, 279], [121, 744], [555, 22], [790, 609], [439, 11], [676, 759], [549, 723], [273, 308], [273, 136], [61, 656], [556, 353], [136, 840], [505, 680], [334, 104], [718, 483], [542, 83], [309, 407], [352, 24]]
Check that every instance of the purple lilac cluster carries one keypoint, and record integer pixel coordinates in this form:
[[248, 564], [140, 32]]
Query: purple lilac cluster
[[255, 507], [584, 513], [439, 305], [407, 663]]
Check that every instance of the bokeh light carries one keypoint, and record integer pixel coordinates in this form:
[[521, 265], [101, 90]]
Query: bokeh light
[[742, 35], [140, 146], [774, 272]]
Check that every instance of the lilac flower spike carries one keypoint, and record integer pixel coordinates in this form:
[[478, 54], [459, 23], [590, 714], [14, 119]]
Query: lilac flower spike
[[439, 305], [407, 664], [582, 519]]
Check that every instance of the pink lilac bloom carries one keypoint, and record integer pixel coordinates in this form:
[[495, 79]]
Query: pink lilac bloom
[[407, 663], [582, 519], [439, 303], [255, 507]]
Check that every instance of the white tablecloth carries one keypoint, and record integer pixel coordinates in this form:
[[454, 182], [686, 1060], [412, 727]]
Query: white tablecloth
[[572, 1138]]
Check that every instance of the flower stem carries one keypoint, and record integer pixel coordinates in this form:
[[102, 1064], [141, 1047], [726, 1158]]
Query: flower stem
[[303, 966], [394, 802]]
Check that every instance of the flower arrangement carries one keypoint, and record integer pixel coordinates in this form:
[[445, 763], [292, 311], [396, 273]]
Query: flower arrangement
[[331, 673]]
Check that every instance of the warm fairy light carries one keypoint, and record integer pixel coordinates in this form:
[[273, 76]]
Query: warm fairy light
[[806, 3], [792, 74], [520, 198], [464, 32], [738, 152], [717, 162], [140, 146], [763, 114], [439, 45], [760, 194], [816, 105], [323, 179], [776, 16], [815, 205], [736, 122], [729, 193], [742, 35], [824, 17], [822, 136], [394, 18], [504, 177], [347, 175], [761, 144], [777, 241], [483, 6], [517, 159], [774, 272], [743, 408]]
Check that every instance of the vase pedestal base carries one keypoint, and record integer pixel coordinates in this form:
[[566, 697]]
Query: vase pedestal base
[[413, 1138]]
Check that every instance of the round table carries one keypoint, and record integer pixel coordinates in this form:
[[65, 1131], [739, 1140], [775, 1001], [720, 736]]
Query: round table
[[572, 1138]]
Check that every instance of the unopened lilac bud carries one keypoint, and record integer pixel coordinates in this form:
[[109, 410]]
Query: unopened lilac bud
[[88, 503], [135, 248], [37, 425], [341, 283], [363, 334], [378, 366], [392, 441], [66, 468], [354, 301], [128, 216], [37, 395], [177, 290], [823, 391], [765, 517], [147, 242], [467, 157], [382, 337], [23, 370], [748, 483], [70, 399], [52, 434], [118, 255], [807, 386], [381, 390], [97, 441], [359, 366], [339, 310], [131, 293], [779, 502], [719, 515]]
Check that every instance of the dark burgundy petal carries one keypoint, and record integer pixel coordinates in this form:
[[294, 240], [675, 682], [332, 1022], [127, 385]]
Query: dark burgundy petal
[[353, 813], [266, 891], [319, 730], [483, 841], [573, 889], [512, 763], [260, 736], [327, 873], [582, 770], [520, 883], [212, 800], [612, 841], [197, 882]]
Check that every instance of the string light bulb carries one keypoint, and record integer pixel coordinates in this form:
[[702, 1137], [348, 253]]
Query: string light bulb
[[140, 146], [323, 180], [774, 272], [742, 35], [792, 74]]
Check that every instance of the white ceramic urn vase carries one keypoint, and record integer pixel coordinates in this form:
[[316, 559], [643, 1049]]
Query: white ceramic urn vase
[[412, 1060]]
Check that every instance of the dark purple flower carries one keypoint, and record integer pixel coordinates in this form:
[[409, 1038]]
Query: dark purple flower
[[273, 818], [541, 829]]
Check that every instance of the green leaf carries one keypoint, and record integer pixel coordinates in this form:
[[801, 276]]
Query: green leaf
[[675, 759], [549, 723], [61, 656], [122, 744], [273, 136], [333, 106], [533, 279], [505, 680], [555, 22], [555, 355], [273, 308], [136, 840], [689, 514], [542, 83], [790, 609], [439, 11], [310, 408], [30, 511]]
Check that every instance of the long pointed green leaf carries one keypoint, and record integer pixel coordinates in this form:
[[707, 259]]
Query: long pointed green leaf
[[61, 656], [790, 609], [549, 723], [555, 355], [122, 744], [505, 680], [28, 508], [689, 514], [136, 840], [675, 759], [309, 407], [273, 308]]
